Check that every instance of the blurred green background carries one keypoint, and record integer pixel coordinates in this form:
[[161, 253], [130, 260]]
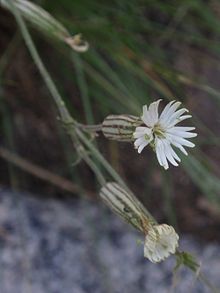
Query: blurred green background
[[139, 51]]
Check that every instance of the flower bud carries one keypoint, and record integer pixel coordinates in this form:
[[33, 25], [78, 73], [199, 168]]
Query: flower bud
[[120, 127]]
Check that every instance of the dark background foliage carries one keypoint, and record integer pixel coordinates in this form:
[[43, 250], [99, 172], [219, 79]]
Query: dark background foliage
[[139, 51]]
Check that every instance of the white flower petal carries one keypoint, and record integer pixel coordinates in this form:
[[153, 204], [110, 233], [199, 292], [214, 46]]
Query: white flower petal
[[174, 117], [179, 131], [185, 134], [184, 117], [159, 148], [180, 140], [163, 132], [160, 242], [142, 146], [138, 134], [142, 131], [169, 154], [183, 128], [168, 111], [153, 112], [180, 147], [150, 115], [139, 141], [174, 155], [145, 117], [158, 154], [143, 137]]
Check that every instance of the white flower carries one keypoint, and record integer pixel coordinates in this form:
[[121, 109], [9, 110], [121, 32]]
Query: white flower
[[162, 133], [160, 242]]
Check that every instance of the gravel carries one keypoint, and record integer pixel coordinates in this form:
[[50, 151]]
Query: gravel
[[79, 246]]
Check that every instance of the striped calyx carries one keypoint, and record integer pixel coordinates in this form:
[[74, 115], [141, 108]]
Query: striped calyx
[[120, 127], [125, 205]]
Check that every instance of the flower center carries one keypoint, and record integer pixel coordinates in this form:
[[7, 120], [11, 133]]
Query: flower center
[[158, 131]]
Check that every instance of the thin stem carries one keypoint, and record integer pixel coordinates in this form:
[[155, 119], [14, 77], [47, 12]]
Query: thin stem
[[90, 128], [55, 94], [95, 169], [203, 279], [50, 84], [65, 116], [99, 157], [84, 155], [38, 171]]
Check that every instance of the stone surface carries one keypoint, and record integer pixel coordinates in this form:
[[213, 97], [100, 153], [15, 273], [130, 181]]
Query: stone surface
[[78, 246]]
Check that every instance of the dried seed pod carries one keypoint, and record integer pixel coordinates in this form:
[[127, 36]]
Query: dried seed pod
[[126, 205]]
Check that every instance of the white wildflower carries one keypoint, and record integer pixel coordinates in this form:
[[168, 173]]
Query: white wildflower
[[162, 133], [160, 242]]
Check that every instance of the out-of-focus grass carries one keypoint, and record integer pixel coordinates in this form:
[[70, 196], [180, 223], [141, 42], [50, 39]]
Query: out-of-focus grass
[[133, 48], [6, 117], [133, 44]]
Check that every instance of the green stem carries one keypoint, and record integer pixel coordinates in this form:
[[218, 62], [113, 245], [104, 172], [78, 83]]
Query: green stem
[[203, 279], [99, 157], [90, 128], [71, 125], [51, 86], [84, 155], [65, 116], [95, 169]]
